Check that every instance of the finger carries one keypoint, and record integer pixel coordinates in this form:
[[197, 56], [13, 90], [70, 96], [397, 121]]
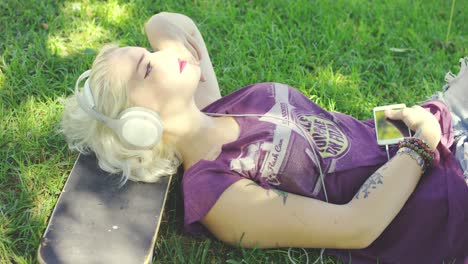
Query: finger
[[192, 50], [202, 77], [192, 41], [394, 114]]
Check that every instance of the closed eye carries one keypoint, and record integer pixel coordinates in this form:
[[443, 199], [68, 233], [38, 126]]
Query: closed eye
[[148, 69]]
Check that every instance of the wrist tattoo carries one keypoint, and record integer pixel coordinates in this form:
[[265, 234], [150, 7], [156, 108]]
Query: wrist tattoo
[[371, 183], [418, 133]]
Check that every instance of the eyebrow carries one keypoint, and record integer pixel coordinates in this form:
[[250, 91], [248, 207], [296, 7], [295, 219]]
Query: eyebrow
[[139, 61]]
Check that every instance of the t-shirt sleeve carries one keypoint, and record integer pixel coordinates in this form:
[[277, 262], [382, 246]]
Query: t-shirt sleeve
[[201, 187]]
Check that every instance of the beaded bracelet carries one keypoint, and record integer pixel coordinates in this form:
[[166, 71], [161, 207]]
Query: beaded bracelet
[[419, 142], [419, 146], [414, 155]]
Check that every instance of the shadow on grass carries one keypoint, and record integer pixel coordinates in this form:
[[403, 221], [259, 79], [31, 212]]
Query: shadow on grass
[[34, 72]]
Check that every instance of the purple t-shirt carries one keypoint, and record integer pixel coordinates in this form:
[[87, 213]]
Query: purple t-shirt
[[431, 227]]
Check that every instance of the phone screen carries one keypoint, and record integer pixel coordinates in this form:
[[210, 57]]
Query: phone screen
[[388, 129]]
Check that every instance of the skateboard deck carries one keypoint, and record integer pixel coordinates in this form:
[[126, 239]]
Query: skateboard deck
[[96, 221]]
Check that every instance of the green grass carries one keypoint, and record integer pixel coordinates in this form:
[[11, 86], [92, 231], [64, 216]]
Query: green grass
[[348, 56]]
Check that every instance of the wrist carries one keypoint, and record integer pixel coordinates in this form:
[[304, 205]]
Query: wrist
[[430, 134], [419, 150], [160, 33], [414, 156]]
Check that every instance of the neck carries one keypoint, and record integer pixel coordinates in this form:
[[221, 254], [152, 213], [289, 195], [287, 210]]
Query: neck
[[188, 129]]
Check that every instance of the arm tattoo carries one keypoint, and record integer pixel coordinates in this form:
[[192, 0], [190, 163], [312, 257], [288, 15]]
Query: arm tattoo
[[282, 194], [278, 192], [370, 184]]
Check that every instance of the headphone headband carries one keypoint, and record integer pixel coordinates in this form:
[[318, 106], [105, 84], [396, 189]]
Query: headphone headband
[[87, 102]]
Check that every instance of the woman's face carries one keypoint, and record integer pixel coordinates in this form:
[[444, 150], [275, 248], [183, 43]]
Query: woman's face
[[156, 79]]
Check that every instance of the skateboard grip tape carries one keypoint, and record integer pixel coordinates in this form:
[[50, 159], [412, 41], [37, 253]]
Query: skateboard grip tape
[[95, 221]]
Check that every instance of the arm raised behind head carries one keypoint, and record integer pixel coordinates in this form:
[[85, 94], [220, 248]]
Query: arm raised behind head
[[247, 214], [171, 30]]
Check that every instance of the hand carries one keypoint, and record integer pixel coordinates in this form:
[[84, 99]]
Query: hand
[[418, 119], [164, 34]]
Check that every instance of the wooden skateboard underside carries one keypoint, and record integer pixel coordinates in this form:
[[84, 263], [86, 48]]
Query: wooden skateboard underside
[[95, 221]]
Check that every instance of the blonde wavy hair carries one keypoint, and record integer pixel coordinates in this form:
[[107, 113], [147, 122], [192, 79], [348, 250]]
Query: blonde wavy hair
[[85, 134]]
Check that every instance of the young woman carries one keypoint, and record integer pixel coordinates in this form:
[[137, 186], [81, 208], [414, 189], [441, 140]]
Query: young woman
[[287, 173]]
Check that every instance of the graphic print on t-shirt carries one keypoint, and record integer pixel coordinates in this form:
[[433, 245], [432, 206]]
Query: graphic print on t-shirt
[[328, 137], [267, 158]]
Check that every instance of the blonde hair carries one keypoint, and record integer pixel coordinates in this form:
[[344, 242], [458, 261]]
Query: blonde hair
[[85, 134]]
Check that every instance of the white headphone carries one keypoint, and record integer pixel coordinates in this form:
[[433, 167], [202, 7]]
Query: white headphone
[[137, 126]]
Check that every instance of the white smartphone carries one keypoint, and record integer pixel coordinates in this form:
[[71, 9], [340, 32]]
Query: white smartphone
[[389, 131]]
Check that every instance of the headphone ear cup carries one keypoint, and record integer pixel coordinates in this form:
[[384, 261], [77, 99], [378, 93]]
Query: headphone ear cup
[[140, 127]]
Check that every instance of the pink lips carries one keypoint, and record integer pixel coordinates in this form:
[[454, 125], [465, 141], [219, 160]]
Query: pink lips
[[182, 64]]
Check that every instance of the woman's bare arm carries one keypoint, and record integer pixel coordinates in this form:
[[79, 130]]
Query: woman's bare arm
[[208, 90], [247, 211], [254, 217]]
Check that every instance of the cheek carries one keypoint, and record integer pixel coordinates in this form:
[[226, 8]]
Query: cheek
[[174, 81], [143, 96]]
